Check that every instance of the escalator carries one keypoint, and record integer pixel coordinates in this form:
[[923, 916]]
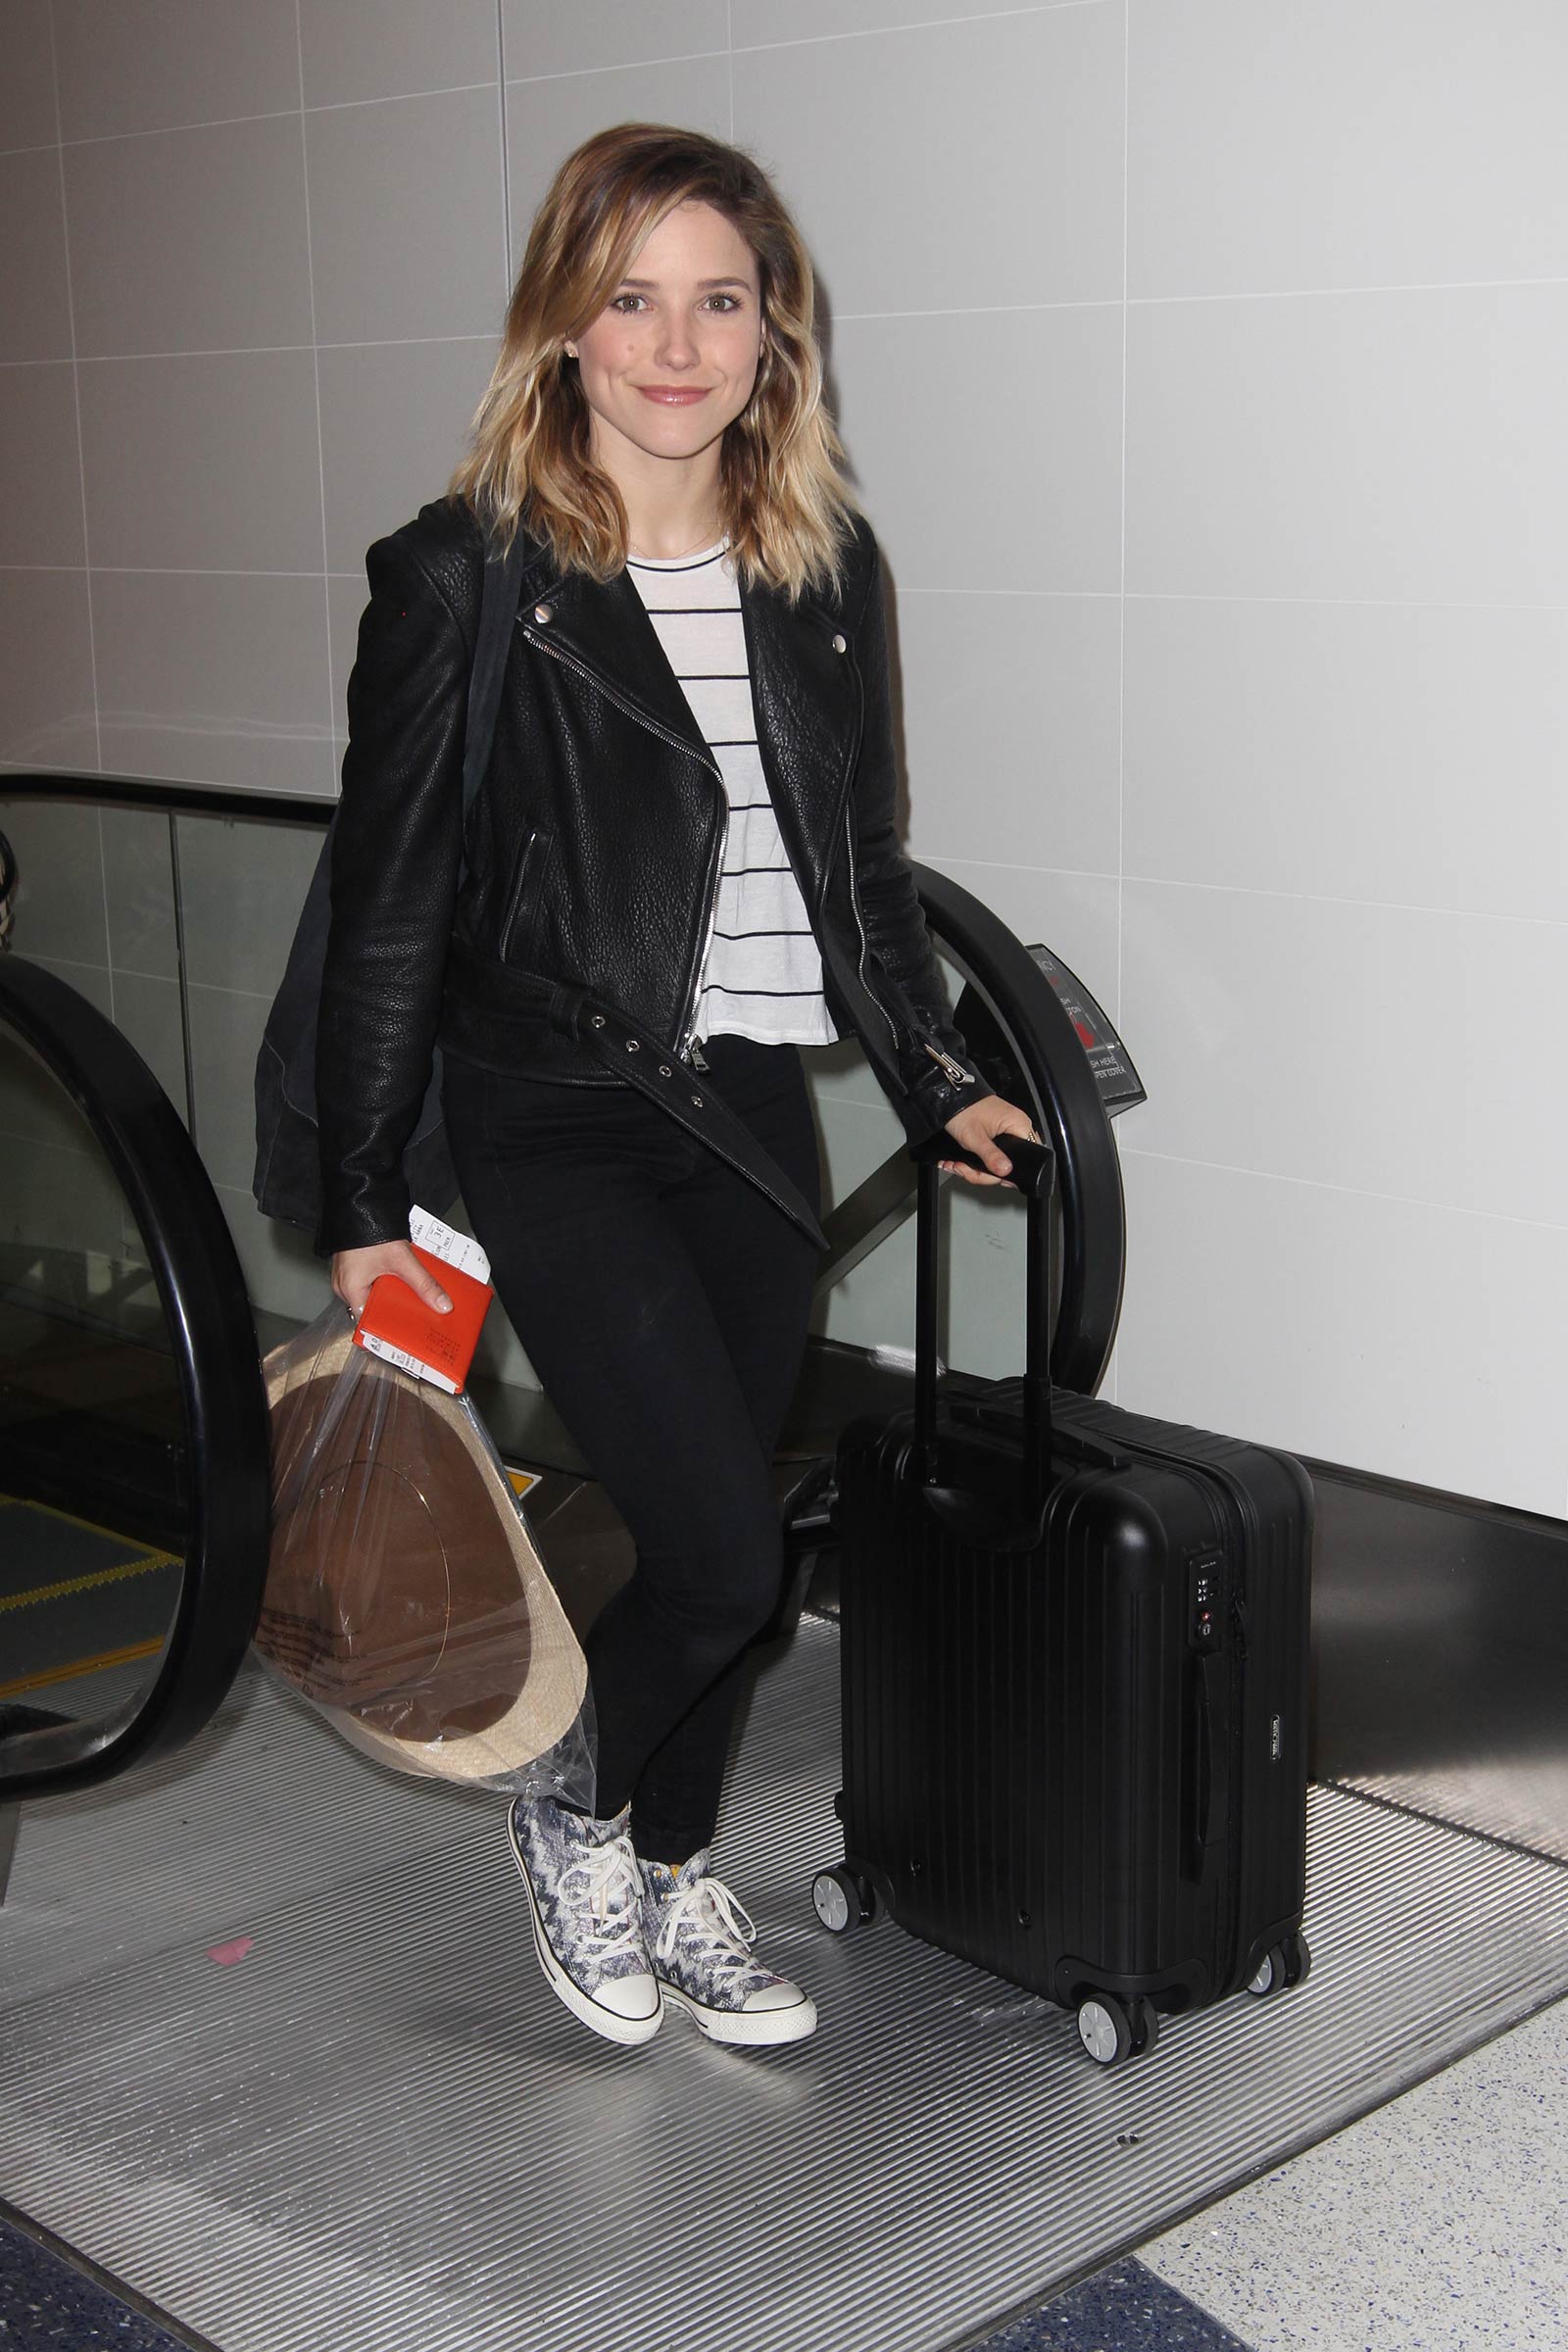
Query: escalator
[[273, 2046], [133, 1443]]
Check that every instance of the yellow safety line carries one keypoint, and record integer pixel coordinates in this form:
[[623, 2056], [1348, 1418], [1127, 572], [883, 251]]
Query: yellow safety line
[[66, 1674], [85, 1584]]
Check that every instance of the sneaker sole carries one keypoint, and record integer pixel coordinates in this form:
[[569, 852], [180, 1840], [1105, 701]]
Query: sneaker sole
[[757, 2029], [627, 2032]]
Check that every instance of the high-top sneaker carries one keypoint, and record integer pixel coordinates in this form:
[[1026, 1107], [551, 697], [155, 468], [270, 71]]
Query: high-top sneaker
[[585, 1897], [701, 1941]]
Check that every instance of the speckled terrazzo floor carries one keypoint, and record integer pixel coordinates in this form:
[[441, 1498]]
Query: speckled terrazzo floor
[[1439, 2224]]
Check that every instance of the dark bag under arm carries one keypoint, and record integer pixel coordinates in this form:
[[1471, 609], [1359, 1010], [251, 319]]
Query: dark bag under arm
[[288, 1179]]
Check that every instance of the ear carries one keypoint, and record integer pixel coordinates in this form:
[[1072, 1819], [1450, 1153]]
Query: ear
[[570, 350]]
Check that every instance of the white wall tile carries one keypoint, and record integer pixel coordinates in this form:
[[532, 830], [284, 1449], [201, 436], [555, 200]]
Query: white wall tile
[[34, 301], [967, 485], [203, 464], [394, 423], [541, 37], [46, 698], [40, 514], [1077, 916], [190, 240], [153, 65], [1404, 446], [1416, 1342], [1355, 142], [1024, 113], [27, 86], [1403, 753], [1385, 1051], [546, 120], [776, 20], [1011, 726], [213, 680], [395, 48], [391, 258]]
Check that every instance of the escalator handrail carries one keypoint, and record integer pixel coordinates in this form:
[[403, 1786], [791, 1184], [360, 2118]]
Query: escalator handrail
[[202, 1291], [1037, 1031]]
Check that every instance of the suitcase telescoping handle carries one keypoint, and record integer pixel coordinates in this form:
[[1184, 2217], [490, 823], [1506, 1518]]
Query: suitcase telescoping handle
[[1034, 1173]]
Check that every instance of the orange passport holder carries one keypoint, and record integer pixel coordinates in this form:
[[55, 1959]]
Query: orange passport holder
[[399, 1327]]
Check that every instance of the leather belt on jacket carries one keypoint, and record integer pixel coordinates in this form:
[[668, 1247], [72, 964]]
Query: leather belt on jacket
[[609, 1041]]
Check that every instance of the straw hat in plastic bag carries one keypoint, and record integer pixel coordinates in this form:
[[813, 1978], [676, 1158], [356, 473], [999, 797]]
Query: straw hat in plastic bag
[[405, 1597]]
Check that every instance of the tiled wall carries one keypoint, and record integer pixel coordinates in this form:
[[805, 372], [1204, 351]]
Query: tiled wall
[[1201, 364]]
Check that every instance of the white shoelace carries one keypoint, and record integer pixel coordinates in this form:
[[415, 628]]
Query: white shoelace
[[709, 1907], [613, 1887]]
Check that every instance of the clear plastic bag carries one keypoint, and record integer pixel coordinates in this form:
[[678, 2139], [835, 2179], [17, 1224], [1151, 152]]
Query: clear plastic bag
[[405, 1597]]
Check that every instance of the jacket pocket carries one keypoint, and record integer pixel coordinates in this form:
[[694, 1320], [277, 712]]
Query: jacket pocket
[[523, 896]]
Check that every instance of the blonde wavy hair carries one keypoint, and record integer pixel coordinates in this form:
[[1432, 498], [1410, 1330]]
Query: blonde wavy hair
[[783, 499]]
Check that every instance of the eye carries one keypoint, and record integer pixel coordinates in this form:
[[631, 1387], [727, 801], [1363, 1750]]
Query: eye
[[731, 302], [619, 302]]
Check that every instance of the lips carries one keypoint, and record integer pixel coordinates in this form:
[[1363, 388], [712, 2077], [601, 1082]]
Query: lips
[[674, 396]]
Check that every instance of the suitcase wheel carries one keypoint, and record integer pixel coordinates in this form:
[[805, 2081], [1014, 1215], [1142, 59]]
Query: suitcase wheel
[[842, 1900], [1111, 2030], [1282, 1969]]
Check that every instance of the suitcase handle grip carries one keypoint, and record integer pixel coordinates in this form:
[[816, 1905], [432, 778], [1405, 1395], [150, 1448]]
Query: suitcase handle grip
[[1211, 1760], [1035, 1175]]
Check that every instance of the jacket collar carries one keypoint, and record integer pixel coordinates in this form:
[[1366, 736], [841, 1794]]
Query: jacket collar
[[805, 691]]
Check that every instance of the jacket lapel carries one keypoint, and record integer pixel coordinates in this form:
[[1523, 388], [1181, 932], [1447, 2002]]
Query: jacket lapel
[[807, 695], [604, 627]]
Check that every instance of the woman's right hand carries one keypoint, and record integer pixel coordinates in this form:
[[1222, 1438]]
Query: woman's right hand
[[354, 1271]]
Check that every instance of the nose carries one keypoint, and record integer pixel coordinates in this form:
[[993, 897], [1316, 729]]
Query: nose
[[677, 345]]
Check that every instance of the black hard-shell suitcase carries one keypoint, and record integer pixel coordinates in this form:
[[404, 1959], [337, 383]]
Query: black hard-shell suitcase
[[1074, 1656]]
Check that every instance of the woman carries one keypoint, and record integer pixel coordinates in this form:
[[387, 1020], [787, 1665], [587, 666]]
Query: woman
[[682, 867]]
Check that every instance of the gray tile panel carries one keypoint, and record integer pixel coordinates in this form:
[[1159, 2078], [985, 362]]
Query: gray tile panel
[[142, 69], [190, 240], [543, 38], [1022, 113], [366, 49], [34, 304], [40, 514], [27, 86], [203, 464], [389, 261], [47, 703]]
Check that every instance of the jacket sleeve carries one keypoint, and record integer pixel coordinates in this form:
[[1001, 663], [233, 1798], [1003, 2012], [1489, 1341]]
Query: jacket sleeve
[[397, 852], [890, 905]]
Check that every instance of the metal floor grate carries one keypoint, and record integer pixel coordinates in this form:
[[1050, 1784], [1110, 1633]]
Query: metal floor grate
[[378, 2129]]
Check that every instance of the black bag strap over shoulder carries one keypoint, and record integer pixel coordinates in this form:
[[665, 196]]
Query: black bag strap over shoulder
[[287, 1182]]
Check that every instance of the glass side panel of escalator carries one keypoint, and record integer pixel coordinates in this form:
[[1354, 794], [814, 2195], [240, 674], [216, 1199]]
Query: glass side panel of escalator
[[94, 1463]]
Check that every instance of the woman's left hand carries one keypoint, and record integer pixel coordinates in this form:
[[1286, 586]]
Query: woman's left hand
[[974, 1128]]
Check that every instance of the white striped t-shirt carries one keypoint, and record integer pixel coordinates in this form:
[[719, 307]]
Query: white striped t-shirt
[[763, 975]]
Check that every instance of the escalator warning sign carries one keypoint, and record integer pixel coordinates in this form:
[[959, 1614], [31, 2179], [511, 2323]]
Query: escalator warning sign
[[1119, 1084]]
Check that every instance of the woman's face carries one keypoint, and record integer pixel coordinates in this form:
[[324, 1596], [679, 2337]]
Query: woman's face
[[671, 359]]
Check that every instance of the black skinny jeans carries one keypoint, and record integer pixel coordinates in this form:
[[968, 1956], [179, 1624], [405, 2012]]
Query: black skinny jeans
[[662, 1300]]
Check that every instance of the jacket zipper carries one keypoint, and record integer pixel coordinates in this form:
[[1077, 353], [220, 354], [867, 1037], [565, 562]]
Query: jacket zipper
[[688, 1045], [954, 1071], [689, 1049]]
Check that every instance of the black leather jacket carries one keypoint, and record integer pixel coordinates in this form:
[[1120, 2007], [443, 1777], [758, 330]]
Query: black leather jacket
[[592, 851]]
